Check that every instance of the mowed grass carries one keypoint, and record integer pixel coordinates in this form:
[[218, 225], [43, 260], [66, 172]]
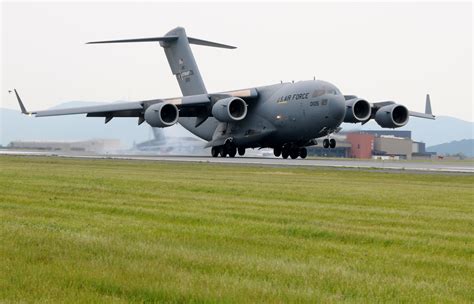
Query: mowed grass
[[129, 231]]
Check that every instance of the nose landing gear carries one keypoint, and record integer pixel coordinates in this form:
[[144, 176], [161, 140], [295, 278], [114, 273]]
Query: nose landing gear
[[329, 143]]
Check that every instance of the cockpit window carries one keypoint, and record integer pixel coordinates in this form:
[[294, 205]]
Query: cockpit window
[[326, 90], [319, 92]]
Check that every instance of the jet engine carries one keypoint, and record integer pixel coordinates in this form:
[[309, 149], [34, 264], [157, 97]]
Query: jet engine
[[230, 109], [161, 115], [392, 116], [357, 110]]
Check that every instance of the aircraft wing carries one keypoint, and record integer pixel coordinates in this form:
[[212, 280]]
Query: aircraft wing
[[189, 106], [131, 108], [427, 115]]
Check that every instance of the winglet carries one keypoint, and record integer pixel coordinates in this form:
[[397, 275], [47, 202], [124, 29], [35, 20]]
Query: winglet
[[428, 113], [22, 106], [428, 105]]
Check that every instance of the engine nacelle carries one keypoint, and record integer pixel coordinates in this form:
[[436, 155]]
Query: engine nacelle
[[357, 110], [230, 109], [161, 115], [392, 116]]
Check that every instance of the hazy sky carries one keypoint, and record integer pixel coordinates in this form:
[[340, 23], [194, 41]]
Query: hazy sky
[[376, 50]]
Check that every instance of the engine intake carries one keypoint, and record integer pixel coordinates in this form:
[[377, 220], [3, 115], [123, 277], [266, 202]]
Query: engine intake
[[357, 110], [230, 109], [392, 116], [161, 115]]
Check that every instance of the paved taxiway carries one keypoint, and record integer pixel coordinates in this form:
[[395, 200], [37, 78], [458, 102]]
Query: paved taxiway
[[426, 166]]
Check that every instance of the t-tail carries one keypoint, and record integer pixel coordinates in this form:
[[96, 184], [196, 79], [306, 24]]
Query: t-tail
[[180, 58]]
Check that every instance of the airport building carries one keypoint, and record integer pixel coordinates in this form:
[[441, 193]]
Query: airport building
[[362, 144], [96, 146], [393, 147], [379, 144]]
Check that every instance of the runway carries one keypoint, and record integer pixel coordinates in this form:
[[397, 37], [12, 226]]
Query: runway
[[466, 166]]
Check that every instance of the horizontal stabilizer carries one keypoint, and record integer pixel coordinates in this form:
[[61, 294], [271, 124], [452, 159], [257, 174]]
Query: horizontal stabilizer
[[153, 39], [167, 39], [210, 43]]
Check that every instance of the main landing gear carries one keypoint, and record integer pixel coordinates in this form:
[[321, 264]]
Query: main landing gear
[[292, 152], [329, 143], [229, 149]]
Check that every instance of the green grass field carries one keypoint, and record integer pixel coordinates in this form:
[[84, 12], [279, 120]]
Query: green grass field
[[129, 231]]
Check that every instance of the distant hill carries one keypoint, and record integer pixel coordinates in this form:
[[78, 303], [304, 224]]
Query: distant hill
[[465, 146], [432, 132]]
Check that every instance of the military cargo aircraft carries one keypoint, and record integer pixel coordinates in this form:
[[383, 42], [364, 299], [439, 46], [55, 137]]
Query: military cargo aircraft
[[286, 117]]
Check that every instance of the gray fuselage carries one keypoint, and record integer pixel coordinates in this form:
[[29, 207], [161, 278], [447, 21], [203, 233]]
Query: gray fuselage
[[286, 113]]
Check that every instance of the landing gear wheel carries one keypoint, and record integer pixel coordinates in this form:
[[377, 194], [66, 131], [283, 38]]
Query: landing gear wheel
[[294, 153], [285, 153], [222, 152], [326, 143], [332, 143], [303, 153], [232, 151], [241, 151], [277, 151], [215, 151]]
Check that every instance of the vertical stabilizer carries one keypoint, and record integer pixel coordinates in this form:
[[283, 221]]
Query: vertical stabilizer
[[182, 63]]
